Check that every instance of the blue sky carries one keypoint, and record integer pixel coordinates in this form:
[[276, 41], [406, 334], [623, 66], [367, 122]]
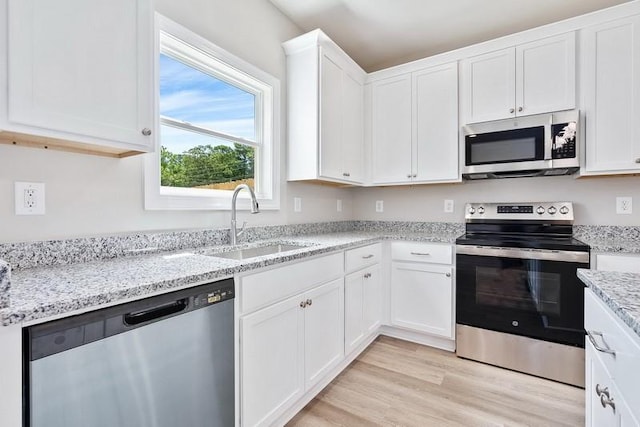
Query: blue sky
[[192, 96]]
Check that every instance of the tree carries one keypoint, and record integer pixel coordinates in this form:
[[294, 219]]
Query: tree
[[205, 165]]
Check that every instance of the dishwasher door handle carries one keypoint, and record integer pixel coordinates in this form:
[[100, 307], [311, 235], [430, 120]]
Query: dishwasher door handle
[[155, 313]]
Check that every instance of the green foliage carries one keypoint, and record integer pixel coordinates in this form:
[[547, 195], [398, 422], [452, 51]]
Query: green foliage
[[205, 165]]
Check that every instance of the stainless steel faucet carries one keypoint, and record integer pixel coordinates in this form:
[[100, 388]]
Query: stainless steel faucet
[[254, 210]]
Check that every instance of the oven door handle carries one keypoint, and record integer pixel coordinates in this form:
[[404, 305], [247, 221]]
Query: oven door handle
[[523, 253]]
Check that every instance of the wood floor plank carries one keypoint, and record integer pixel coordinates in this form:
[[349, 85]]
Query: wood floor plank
[[399, 383]]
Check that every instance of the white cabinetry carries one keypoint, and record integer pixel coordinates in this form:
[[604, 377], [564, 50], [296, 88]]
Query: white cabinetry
[[325, 108], [531, 78], [611, 91], [414, 127], [618, 262], [78, 75], [612, 367], [422, 289], [362, 295], [288, 346]]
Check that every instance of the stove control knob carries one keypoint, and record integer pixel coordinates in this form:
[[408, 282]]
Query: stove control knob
[[472, 210], [564, 210], [481, 210], [540, 210], [552, 210]]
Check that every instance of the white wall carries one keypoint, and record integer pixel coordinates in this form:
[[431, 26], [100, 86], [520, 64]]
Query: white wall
[[90, 195], [593, 198]]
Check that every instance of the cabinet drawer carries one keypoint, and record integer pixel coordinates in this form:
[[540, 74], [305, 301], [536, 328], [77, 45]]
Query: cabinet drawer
[[618, 262], [438, 253], [358, 258], [260, 289], [610, 334]]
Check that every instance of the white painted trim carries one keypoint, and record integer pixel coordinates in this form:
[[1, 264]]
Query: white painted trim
[[268, 182]]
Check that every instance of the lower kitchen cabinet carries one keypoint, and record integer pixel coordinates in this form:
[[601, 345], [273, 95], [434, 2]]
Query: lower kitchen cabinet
[[612, 361], [422, 290], [286, 348], [362, 306]]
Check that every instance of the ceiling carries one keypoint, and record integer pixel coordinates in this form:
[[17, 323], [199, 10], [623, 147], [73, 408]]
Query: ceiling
[[381, 33]]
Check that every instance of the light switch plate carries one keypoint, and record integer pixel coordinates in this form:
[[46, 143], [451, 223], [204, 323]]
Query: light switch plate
[[379, 206], [297, 204], [339, 205], [29, 198]]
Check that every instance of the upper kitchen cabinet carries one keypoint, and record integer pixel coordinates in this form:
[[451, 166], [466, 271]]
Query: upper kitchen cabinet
[[531, 78], [325, 108], [414, 127], [611, 93], [78, 74]]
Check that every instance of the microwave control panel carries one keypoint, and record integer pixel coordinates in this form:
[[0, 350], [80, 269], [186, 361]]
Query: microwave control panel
[[564, 140]]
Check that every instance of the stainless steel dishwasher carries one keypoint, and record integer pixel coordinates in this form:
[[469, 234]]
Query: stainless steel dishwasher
[[164, 361]]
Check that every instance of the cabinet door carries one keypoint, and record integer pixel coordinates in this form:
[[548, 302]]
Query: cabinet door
[[545, 75], [353, 310], [422, 298], [82, 68], [372, 300], [391, 130], [596, 380], [352, 129], [435, 124], [330, 118], [611, 89], [324, 330], [489, 82], [272, 361]]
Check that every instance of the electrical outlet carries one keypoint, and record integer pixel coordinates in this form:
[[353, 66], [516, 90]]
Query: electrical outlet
[[297, 204], [379, 206], [29, 198], [339, 205], [448, 206], [624, 205]]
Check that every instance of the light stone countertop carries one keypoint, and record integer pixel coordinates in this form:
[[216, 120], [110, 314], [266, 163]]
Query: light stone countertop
[[619, 291], [38, 294]]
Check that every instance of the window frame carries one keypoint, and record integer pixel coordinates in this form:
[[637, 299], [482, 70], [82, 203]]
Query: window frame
[[201, 54]]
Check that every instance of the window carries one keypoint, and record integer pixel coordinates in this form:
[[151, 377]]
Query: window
[[218, 126]]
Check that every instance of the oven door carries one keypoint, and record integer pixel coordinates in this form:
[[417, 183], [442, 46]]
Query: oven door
[[533, 293]]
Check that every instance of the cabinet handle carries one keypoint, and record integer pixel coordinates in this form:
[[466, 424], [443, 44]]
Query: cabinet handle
[[606, 349], [146, 131], [420, 253], [414, 175], [367, 275], [346, 174], [448, 274], [409, 176], [303, 304], [520, 109], [638, 160], [512, 110], [600, 390], [309, 301], [605, 400], [367, 256]]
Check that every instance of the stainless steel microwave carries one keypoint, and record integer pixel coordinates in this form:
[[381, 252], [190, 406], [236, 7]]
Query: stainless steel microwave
[[544, 144]]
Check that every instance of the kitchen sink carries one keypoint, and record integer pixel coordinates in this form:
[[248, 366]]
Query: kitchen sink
[[253, 252]]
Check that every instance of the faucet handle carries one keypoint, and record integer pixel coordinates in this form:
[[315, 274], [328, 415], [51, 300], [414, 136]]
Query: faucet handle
[[241, 228]]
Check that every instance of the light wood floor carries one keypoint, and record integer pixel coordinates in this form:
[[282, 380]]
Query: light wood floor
[[398, 383]]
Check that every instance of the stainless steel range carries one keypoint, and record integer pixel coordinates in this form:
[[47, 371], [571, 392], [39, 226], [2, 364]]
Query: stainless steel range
[[519, 304]]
